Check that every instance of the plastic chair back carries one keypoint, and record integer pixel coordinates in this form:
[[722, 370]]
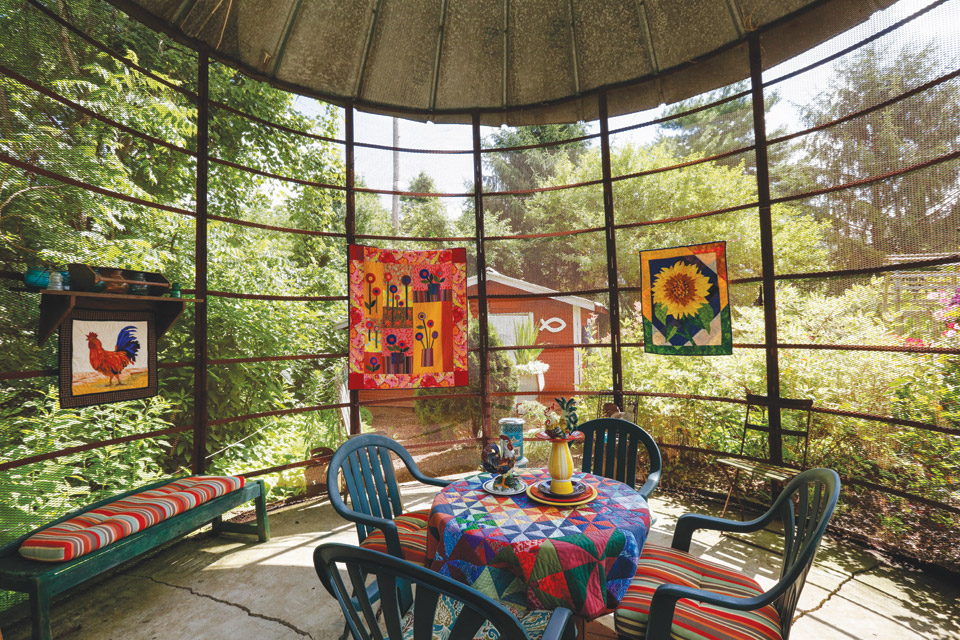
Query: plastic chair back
[[367, 465], [610, 449], [393, 578]]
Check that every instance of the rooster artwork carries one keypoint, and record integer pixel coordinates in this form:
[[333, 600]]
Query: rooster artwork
[[112, 363], [109, 357]]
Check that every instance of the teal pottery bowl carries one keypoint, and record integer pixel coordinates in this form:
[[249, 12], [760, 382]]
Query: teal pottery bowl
[[36, 278]]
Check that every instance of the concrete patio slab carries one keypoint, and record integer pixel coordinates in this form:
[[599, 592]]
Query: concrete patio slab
[[232, 588]]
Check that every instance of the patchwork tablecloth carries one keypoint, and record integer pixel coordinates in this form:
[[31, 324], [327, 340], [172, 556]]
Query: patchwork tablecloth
[[519, 551]]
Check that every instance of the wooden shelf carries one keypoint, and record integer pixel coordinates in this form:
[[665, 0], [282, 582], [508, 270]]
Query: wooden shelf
[[56, 305]]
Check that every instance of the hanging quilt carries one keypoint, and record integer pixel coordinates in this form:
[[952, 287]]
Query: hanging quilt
[[408, 318], [684, 300]]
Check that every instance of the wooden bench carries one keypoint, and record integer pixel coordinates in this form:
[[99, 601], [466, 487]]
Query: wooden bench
[[43, 580]]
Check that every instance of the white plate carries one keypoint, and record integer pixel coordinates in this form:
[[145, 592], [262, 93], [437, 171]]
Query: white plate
[[488, 487]]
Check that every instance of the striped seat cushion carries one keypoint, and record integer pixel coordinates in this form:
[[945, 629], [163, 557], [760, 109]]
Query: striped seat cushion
[[533, 621], [412, 528], [105, 525], [694, 620]]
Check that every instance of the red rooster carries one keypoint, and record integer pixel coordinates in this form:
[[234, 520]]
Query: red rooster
[[111, 363]]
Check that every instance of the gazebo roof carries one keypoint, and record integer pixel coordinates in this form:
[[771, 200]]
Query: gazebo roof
[[520, 62]]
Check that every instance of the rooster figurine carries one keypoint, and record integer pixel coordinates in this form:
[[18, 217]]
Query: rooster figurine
[[500, 459], [111, 363]]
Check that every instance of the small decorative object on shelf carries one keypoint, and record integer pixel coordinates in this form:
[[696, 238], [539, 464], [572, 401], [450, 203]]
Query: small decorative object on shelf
[[175, 290], [65, 279], [560, 431], [84, 277], [36, 278], [138, 289], [500, 459], [55, 281], [114, 281]]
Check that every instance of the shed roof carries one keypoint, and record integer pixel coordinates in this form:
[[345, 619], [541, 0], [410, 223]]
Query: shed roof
[[529, 287], [520, 62]]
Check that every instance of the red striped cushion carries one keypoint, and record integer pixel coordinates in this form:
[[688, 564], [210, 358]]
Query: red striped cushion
[[694, 620], [412, 529], [104, 525]]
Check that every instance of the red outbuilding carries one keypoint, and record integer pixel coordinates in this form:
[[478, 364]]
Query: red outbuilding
[[560, 320]]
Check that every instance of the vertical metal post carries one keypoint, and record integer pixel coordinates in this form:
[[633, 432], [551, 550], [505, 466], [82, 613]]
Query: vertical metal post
[[766, 251], [613, 283], [200, 413], [351, 230], [481, 281]]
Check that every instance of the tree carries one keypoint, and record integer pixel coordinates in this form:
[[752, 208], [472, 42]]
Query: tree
[[723, 127], [575, 262], [423, 216], [914, 213]]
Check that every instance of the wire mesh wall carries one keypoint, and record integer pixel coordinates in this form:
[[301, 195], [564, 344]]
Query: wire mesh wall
[[104, 162]]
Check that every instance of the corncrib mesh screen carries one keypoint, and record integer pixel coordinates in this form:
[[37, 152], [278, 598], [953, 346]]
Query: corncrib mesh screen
[[100, 159]]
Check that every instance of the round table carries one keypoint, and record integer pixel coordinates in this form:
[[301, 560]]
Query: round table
[[517, 550]]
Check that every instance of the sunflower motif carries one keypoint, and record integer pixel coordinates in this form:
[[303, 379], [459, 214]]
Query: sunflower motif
[[681, 288]]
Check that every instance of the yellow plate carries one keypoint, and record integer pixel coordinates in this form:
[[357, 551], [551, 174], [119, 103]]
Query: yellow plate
[[591, 495]]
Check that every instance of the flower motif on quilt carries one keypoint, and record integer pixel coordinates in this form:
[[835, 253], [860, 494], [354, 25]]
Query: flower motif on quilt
[[684, 304], [408, 321]]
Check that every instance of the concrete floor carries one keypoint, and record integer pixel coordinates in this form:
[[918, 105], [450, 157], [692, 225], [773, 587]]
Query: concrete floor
[[230, 588]]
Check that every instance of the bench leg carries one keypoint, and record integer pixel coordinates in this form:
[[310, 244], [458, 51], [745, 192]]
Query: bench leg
[[217, 525], [263, 524], [40, 613]]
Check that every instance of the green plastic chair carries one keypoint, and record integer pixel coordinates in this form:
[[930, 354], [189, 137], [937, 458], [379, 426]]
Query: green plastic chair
[[804, 507], [405, 618], [610, 448], [375, 501]]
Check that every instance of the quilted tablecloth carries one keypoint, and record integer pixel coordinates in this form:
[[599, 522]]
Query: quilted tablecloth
[[519, 551]]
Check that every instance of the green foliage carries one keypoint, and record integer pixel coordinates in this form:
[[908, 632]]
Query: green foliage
[[424, 216], [451, 411], [31, 494], [905, 215], [526, 333]]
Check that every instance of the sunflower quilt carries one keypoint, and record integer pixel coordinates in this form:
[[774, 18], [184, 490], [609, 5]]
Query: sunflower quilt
[[408, 318], [684, 300]]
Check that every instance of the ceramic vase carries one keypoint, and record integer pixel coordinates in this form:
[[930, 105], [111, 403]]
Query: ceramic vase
[[560, 464]]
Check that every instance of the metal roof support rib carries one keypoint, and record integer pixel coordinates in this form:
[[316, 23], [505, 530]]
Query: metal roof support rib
[[648, 37], [573, 52], [183, 11], [506, 52], [736, 17], [287, 31], [436, 60], [366, 49]]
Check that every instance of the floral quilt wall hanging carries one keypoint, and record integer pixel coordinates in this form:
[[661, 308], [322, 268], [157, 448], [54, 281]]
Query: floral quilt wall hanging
[[684, 299], [408, 318]]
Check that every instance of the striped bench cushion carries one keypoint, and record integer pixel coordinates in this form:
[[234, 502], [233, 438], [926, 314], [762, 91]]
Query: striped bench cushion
[[694, 620], [105, 525], [412, 529]]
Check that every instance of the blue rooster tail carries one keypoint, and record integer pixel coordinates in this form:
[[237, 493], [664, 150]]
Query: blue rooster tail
[[128, 343]]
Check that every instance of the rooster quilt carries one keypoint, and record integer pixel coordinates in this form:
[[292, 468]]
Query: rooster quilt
[[107, 357], [408, 318], [684, 300]]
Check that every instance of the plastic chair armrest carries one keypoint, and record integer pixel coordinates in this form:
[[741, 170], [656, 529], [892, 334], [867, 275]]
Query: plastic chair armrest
[[437, 482], [690, 522], [664, 602], [652, 481], [561, 626]]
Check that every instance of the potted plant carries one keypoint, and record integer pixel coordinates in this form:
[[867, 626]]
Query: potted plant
[[529, 370]]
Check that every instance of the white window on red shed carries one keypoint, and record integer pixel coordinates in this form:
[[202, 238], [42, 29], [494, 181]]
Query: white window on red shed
[[505, 325]]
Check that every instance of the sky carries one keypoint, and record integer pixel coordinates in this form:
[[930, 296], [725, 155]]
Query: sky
[[454, 173]]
